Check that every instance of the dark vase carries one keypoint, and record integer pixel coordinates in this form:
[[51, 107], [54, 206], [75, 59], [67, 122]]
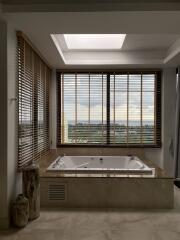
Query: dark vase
[[20, 211]]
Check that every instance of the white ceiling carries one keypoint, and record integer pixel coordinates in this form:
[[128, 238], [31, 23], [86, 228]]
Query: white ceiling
[[136, 49], [150, 35], [149, 42]]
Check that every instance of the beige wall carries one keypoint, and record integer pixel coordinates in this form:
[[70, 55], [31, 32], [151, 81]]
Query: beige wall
[[14, 179], [3, 125], [10, 181], [168, 129]]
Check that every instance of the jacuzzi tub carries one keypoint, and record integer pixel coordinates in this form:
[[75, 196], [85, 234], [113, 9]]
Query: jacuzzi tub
[[112, 165]]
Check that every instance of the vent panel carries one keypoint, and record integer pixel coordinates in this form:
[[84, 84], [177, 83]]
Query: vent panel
[[57, 192]]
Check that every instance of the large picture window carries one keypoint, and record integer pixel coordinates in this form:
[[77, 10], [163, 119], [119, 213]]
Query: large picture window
[[112, 109]]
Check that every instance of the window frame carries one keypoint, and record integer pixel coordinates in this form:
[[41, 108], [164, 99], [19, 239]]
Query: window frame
[[157, 105]]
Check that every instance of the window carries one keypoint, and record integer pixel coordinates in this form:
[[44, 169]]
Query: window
[[33, 104], [115, 109]]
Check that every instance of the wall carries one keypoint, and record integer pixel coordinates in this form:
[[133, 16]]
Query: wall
[[14, 179], [10, 181], [163, 157], [169, 101], [3, 126]]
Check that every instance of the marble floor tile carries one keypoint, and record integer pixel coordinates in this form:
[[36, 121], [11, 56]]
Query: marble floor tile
[[101, 224]]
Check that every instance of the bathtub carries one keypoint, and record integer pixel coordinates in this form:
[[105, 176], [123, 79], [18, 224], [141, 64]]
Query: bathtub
[[102, 165]]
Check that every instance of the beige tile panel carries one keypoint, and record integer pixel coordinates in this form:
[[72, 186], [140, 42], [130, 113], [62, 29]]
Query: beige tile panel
[[112, 192]]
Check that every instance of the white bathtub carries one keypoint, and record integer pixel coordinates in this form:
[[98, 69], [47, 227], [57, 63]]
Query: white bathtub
[[123, 165]]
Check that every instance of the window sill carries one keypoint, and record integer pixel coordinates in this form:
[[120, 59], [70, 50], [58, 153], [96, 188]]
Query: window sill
[[109, 146]]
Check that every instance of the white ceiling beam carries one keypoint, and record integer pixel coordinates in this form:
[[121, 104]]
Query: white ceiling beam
[[114, 58]]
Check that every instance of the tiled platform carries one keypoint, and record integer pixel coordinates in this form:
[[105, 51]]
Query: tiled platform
[[118, 191]]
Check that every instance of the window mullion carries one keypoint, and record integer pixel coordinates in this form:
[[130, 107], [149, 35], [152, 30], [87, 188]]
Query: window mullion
[[141, 132], [108, 109], [127, 108], [155, 110], [114, 100], [89, 112], [102, 118], [76, 108], [62, 113]]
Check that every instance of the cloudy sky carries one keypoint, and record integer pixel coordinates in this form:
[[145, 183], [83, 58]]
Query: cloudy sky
[[91, 95]]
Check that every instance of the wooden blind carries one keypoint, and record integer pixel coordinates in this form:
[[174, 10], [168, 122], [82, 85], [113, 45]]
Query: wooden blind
[[33, 104], [82, 117], [117, 109], [134, 112]]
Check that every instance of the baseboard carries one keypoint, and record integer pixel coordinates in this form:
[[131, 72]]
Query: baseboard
[[4, 223]]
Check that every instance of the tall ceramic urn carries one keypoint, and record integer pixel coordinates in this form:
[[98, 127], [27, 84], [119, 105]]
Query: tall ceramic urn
[[31, 190]]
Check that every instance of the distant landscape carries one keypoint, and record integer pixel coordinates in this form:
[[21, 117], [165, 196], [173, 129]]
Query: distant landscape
[[96, 133], [119, 134]]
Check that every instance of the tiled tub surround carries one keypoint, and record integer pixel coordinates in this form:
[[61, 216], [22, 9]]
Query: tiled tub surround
[[61, 190], [54, 154]]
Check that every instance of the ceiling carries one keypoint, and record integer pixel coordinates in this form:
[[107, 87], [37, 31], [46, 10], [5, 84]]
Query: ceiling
[[149, 42], [135, 49], [91, 5], [82, 1], [150, 36]]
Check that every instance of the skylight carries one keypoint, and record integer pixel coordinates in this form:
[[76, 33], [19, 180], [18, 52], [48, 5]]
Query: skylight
[[94, 41]]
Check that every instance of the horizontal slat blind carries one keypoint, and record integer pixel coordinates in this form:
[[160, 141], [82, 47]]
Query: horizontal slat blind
[[83, 108], [109, 109], [33, 104], [25, 92], [133, 118]]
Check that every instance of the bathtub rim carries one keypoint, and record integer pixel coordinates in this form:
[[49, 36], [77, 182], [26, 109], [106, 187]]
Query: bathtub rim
[[109, 171]]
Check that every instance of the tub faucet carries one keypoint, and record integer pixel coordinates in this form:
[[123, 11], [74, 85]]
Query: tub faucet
[[101, 160], [131, 157]]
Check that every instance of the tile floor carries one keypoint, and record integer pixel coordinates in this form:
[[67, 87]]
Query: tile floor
[[105, 224]]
